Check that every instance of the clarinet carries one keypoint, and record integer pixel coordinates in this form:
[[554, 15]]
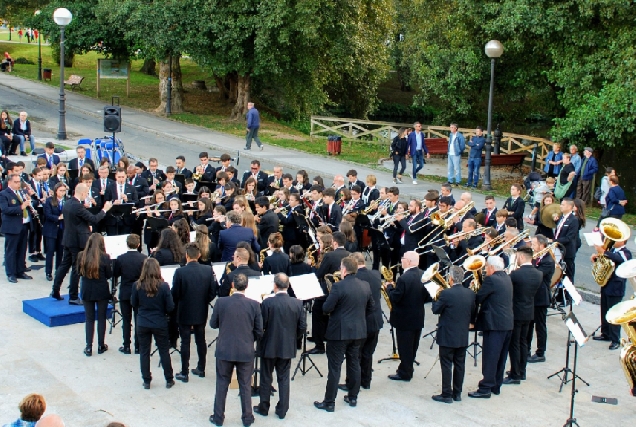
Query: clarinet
[[34, 213]]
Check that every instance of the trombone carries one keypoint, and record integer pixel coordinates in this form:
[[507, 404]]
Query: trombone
[[465, 234], [496, 241], [519, 237]]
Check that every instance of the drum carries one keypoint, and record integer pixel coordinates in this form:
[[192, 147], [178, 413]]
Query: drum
[[366, 239], [558, 271]]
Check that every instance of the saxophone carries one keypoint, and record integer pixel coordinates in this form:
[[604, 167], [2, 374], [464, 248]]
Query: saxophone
[[387, 274], [335, 277], [614, 230]]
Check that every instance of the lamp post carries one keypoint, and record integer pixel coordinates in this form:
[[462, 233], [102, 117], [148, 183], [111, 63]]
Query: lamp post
[[62, 17], [37, 12], [494, 49]]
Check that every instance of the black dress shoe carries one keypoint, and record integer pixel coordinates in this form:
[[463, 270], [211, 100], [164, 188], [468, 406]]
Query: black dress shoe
[[478, 395], [56, 296], [125, 350], [281, 416], [33, 258], [457, 398], [88, 351], [12, 279], [343, 387], [169, 384], [324, 406], [75, 302], [352, 401], [146, 385], [22, 153], [24, 276], [316, 350], [496, 392], [198, 373], [366, 387], [523, 376], [27, 269], [260, 410], [601, 338], [614, 346], [440, 398], [398, 378], [509, 380], [49, 277], [215, 422], [102, 348], [182, 377], [535, 358], [41, 257]]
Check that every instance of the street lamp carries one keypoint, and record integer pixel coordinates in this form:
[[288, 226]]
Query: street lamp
[[62, 17], [494, 49], [37, 12]]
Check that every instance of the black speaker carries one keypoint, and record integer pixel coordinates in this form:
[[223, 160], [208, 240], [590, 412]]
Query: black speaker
[[112, 119]]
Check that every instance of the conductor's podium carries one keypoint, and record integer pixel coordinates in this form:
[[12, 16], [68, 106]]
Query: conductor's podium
[[52, 312]]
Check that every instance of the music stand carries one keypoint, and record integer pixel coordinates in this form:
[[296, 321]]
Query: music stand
[[211, 185], [185, 197], [157, 224], [179, 177], [115, 246], [73, 174], [444, 260], [118, 211], [580, 338]]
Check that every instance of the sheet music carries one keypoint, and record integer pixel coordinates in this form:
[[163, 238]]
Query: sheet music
[[577, 330], [432, 288], [576, 296], [193, 236], [593, 239], [219, 269], [306, 286], [115, 245], [167, 273], [259, 286]]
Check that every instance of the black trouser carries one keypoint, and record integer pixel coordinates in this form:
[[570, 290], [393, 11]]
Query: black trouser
[[337, 350], [53, 248], [518, 349], [69, 262], [493, 360], [398, 160], [89, 308], [453, 363], [407, 343], [380, 249], [613, 332], [540, 315], [570, 268], [127, 314], [199, 339], [35, 238], [15, 246], [244, 372], [161, 340], [319, 323], [282, 367], [366, 358]]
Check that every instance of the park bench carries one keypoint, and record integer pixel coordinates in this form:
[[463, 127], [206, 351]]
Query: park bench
[[437, 145], [74, 81], [514, 160]]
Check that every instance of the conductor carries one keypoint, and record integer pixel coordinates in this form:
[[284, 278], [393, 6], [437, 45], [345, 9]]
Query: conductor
[[282, 314], [77, 229]]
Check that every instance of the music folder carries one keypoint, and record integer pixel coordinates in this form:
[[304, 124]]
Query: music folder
[[122, 209], [306, 286], [185, 197], [72, 174], [179, 177], [157, 224], [209, 184]]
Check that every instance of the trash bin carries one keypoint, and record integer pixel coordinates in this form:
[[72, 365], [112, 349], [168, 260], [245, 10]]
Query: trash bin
[[337, 145], [47, 73], [334, 145]]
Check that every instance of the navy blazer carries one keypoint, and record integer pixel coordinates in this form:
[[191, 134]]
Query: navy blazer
[[230, 237], [614, 196], [615, 286], [591, 167], [283, 321], [240, 323], [51, 219], [17, 130], [412, 143], [495, 297], [568, 235], [546, 266], [55, 159], [74, 164], [492, 219], [12, 215], [476, 144]]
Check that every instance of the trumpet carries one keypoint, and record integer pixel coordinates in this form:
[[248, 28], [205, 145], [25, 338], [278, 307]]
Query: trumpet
[[519, 237], [387, 221], [475, 264], [497, 240], [465, 234]]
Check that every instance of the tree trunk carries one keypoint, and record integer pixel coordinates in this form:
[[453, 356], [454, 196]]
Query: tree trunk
[[149, 67], [220, 83], [177, 85], [242, 97], [232, 80]]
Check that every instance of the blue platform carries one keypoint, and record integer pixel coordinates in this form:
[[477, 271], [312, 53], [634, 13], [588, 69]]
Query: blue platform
[[53, 313]]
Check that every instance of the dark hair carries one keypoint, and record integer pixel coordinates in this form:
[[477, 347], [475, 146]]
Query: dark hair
[[329, 192], [203, 154], [491, 232], [262, 201], [287, 176], [150, 277], [479, 127], [296, 254], [240, 282], [393, 190], [183, 230], [171, 169], [489, 198], [54, 197], [192, 250], [48, 144], [319, 181], [445, 200], [340, 238], [613, 179], [303, 173], [180, 208], [225, 157], [352, 172], [170, 240], [317, 187], [208, 207], [203, 241], [511, 222], [517, 186], [347, 229], [525, 250], [255, 162], [609, 170], [89, 259], [356, 188], [580, 211], [276, 240], [180, 157], [132, 241], [351, 264]]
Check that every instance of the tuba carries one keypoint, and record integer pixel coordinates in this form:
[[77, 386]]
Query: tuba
[[475, 264], [432, 275], [614, 231], [387, 274], [624, 314]]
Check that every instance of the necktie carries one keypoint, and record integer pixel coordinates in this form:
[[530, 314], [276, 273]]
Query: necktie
[[81, 163], [407, 223], [48, 161], [558, 231], [328, 213], [103, 184], [487, 217], [121, 191], [25, 214], [39, 189]]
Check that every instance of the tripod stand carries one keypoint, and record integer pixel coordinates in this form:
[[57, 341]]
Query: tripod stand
[[304, 356], [432, 334], [395, 355], [477, 348], [562, 374], [571, 421], [113, 298]]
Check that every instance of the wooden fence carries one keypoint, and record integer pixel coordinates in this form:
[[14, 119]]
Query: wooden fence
[[383, 132]]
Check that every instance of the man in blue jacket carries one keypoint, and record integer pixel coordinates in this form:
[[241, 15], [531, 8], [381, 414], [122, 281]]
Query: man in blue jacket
[[456, 146], [588, 170], [417, 148], [253, 124], [476, 144]]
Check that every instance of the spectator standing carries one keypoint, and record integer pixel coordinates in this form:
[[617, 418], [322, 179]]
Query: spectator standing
[[476, 144], [575, 159], [456, 146], [417, 148], [605, 187], [553, 161], [399, 150], [616, 199], [588, 170], [253, 124]]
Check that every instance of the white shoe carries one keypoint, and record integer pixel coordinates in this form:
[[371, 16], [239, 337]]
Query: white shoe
[[414, 182], [261, 146]]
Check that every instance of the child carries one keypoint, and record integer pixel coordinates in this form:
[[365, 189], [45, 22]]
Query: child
[[500, 217]]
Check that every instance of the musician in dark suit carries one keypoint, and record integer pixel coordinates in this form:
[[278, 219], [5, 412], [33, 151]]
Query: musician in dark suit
[[181, 169], [352, 178], [490, 212], [456, 309], [293, 223], [101, 183], [193, 288], [458, 248], [374, 320], [546, 265], [80, 160], [612, 293], [153, 175], [240, 323], [349, 303], [16, 219], [515, 205], [241, 260], [49, 155], [526, 281], [282, 315], [256, 173], [428, 257], [267, 220], [407, 297], [275, 181], [496, 320], [140, 184], [567, 233], [53, 230], [412, 226], [329, 265], [278, 261], [235, 233], [76, 232], [330, 212], [127, 267], [120, 192]]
